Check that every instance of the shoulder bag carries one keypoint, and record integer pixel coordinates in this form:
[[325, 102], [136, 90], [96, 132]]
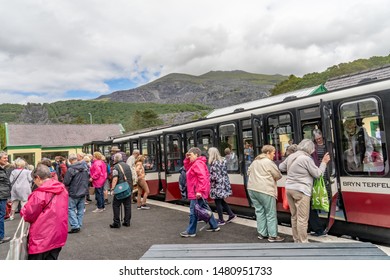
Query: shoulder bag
[[18, 245], [122, 190]]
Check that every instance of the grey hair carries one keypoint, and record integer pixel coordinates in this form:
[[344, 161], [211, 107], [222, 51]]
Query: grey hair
[[42, 171], [19, 162], [2, 153], [72, 157], [291, 149], [136, 151], [196, 151], [316, 133], [307, 146], [81, 154], [117, 157], [214, 155]]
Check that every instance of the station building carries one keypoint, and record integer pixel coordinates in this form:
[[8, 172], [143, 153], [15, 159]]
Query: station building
[[32, 142]]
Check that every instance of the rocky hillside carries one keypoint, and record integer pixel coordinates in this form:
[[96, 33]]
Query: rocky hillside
[[216, 89]]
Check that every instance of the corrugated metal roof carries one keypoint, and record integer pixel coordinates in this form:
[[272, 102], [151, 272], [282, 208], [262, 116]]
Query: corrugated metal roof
[[48, 135], [262, 102], [380, 73]]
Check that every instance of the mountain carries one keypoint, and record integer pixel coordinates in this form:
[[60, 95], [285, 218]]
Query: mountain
[[215, 89]]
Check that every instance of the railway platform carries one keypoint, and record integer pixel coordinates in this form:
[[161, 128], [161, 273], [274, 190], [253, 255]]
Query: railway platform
[[160, 225]]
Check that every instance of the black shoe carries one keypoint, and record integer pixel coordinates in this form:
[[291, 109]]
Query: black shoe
[[115, 226], [106, 202], [74, 230], [88, 199], [126, 224]]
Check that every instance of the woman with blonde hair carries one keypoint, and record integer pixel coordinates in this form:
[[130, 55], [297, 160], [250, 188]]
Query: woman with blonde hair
[[98, 173], [20, 185], [142, 184], [263, 192], [220, 188]]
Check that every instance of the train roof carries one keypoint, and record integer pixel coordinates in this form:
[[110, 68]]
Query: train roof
[[266, 101], [365, 81]]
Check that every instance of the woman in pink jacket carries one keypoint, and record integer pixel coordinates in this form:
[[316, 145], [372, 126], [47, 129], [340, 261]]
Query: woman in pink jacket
[[98, 173], [47, 212], [198, 187]]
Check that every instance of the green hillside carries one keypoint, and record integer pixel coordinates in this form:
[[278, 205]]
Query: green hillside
[[314, 79], [131, 116]]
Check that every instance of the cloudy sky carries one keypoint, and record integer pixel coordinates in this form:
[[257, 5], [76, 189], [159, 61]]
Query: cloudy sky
[[79, 49]]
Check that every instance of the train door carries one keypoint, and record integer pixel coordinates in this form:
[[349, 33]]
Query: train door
[[247, 153], [335, 209], [364, 168], [162, 165], [258, 135], [173, 150], [134, 145], [149, 149], [279, 132], [316, 121], [228, 145], [126, 148]]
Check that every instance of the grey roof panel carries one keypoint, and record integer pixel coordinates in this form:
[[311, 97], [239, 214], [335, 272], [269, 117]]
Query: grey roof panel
[[49, 135]]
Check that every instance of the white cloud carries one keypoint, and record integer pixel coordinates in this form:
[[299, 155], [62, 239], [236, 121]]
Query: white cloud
[[50, 47]]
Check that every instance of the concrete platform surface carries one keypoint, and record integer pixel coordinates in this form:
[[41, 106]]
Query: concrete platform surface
[[159, 225]]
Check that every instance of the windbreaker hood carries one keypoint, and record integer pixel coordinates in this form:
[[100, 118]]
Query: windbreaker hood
[[51, 186]]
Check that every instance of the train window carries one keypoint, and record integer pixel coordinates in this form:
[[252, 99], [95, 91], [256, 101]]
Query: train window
[[126, 149], [307, 129], [149, 150], [204, 139], [173, 148], [361, 128], [106, 151], [279, 133], [228, 145], [310, 113], [134, 145], [190, 139]]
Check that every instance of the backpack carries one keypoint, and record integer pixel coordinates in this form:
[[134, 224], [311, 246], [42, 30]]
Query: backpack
[[183, 183]]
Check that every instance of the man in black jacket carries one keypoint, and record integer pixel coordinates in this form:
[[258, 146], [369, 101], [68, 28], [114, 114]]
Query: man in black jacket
[[76, 180], [5, 193]]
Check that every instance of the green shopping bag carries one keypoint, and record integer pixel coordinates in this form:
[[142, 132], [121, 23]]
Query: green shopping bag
[[319, 197]]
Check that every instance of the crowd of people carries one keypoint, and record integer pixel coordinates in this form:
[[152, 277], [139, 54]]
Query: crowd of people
[[52, 196]]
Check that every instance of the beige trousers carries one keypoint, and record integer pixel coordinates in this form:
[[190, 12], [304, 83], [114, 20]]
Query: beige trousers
[[300, 209]]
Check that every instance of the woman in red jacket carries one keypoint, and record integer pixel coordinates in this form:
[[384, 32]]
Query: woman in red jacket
[[198, 187], [98, 173], [47, 212]]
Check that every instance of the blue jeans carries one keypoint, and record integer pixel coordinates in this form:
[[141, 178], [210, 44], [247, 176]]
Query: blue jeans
[[191, 229], [3, 203], [76, 211], [99, 195]]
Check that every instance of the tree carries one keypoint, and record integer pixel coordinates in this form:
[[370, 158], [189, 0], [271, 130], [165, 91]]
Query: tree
[[145, 119]]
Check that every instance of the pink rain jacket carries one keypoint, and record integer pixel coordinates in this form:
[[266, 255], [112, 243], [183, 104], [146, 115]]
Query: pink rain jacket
[[98, 173], [48, 228], [198, 177]]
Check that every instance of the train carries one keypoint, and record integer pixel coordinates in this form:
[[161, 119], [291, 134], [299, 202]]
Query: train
[[359, 195]]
